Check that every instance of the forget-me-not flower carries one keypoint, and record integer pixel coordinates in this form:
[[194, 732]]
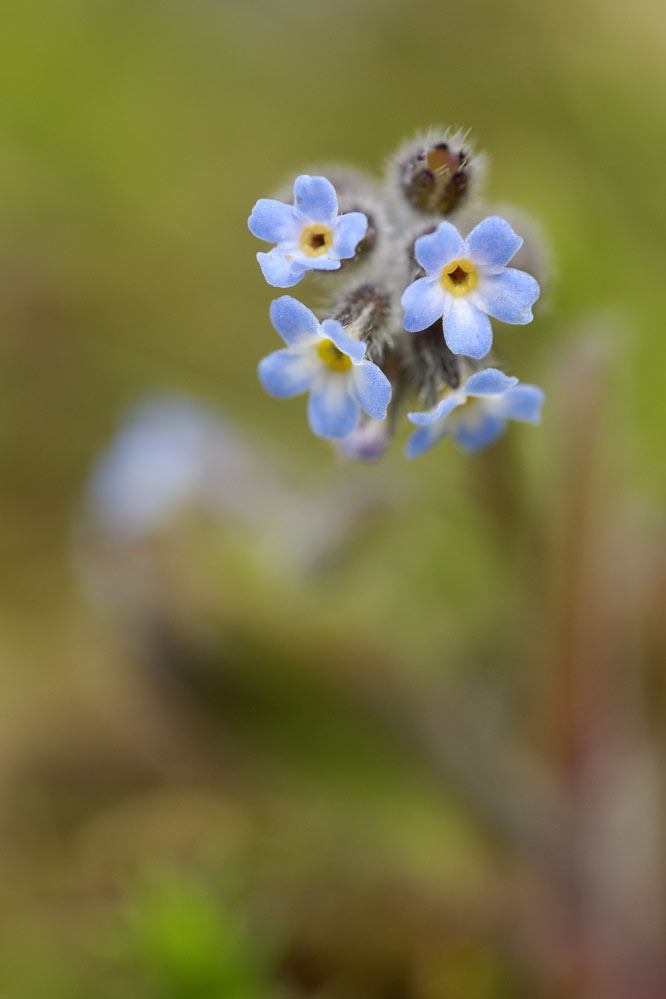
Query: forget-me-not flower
[[495, 398], [322, 359], [367, 442], [310, 235], [171, 452], [467, 281]]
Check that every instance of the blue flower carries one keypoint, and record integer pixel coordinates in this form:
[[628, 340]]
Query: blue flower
[[171, 453], [367, 442], [466, 281], [496, 399], [322, 359], [310, 235]]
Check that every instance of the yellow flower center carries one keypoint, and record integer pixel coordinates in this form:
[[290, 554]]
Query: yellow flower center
[[332, 356], [459, 277], [316, 239]]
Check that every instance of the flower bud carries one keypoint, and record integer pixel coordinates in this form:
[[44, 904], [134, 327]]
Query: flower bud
[[431, 364], [358, 193], [364, 310], [368, 441], [436, 173]]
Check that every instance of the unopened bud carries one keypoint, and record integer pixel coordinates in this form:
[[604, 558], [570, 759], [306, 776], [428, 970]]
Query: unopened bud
[[437, 173], [368, 441], [364, 310], [431, 364]]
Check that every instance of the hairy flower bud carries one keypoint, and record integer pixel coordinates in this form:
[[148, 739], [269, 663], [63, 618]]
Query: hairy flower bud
[[364, 311], [431, 364], [436, 173], [368, 441], [359, 193]]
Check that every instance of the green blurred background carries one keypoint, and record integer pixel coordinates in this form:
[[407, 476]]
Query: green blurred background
[[428, 763]]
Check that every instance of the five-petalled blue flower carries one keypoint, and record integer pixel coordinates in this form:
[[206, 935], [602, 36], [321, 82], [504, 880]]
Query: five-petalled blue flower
[[467, 281], [310, 235], [495, 397], [322, 359]]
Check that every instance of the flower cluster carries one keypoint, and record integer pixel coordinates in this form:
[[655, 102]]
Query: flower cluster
[[412, 314]]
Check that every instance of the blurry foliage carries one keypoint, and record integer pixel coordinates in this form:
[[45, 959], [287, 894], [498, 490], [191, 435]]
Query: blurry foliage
[[185, 945]]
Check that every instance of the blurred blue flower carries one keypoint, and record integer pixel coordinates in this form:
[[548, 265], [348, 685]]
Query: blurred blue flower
[[170, 453], [367, 442], [466, 281], [473, 426], [322, 359], [310, 235]]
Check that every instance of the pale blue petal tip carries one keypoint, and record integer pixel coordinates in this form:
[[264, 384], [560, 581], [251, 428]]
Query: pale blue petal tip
[[315, 198], [332, 412], [285, 373], [479, 434], [489, 382], [467, 330], [524, 403], [439, 412], [293, 321], [372, 389], [278, 271], [272, 220], [492, 243], [323, 263], [424, 438], [436, 249], [349, 231], [508, 296], [423, 302]]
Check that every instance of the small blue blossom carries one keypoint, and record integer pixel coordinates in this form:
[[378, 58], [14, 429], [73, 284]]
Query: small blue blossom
[[171, 452], [496, 399], [322, 359], [466, 282], [367, 442], [310, 235]]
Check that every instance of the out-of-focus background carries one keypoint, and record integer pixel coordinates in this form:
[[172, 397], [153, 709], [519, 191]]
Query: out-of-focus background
[[274, 725]]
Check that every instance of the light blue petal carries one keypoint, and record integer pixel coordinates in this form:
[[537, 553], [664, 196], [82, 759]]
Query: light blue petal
[[489, 382], [278, 271], [474, 435], [508, 296], [423, 302], [424, 438], [466, 329], [335, 332], [332, 410], [288, 372], [324, 263], [492, 243], [439, 412], [154, 465], [349, 231], [439, 248], [293, 321], [372, 389], [273, 220], [522, 403], [315, 198]]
